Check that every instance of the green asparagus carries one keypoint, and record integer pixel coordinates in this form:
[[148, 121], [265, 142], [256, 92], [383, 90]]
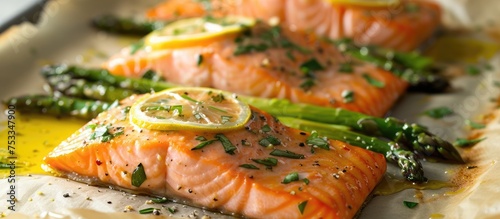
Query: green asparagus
[[129, 26], [413, 136]]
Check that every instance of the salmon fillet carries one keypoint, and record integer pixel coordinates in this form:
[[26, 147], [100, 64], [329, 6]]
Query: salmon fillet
[[403, 27], [274, 72], [333, 183]]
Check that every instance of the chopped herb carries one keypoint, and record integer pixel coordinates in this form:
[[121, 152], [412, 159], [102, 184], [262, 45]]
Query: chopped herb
[[218, 98], [138, 175], [315, 140], [270, 161], [147, 210], [302, 207], [291, 178], [151, 75], [225, 119], [266, 128], [411, 7], [310, 66], [201, 138], [126, 110], [474, 125], [348, 96], [287, 154], [306, 181], [473, 70], [103, 132], [186, 97], [245, 49], [438, 112], [217, 109], [307, 84], [136, 47], [228, 146], [249, 166], [199, 59], [269, 140], [410, 204], [203, 144], [171, 210], [374, 82], [346, 68], [160, 200], [461, 142], [177, 109], [91, 126]]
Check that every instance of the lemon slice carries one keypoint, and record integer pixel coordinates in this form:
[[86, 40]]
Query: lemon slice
[[196, 31], [367, 3], [190, 108]]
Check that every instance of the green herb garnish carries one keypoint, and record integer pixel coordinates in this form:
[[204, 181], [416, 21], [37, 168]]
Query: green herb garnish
[[291, 177], [307, 84], [228, 146], [136, 47], [266, 128], [409, 204], [315, 140], [474, 125], [138, 175], [148, 210], [374, 82], [270, 161], [348, 96], [310, 66], [346, 68], [103, 132], [306, 181], [473, 70], [203, 144], [249, 166], [218, 98], [287, 154], [438, 112], [186, 97], [302, 207], [201, 138], [225, 119], [160, 200], [462, 142], [199, 59], [269, 140]]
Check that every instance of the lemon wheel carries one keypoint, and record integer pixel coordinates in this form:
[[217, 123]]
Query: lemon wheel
[[190, 108], [196, 31]]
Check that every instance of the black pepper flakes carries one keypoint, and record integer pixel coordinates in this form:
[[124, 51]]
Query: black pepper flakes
[[66, 195], [303, 133], [109, 202], [190, 190]]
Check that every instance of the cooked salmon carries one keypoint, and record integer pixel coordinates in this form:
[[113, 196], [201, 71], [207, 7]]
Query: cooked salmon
[[292, 65], [403, 26], [333, 182]]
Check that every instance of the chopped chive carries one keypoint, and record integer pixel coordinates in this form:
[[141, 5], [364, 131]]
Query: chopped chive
[[270, 161], [177, 109], [291, 177], [302, 207], [186, 97], [249, 166], [287, 154], [228, 146], [91, 126], [126, 110], [473, 70], [147, 210], [218, 98], [217, 109], [199, 59], [310, 66], [315, 140], [266, 128], [348, 96], [438, 112], [203, 144], [160, 200], [138, 175], [409, 204], [474, 125], [306, 181], [307, 84], [374, 82], [269, 140], [171, 210], [461, 142], [201, 138]]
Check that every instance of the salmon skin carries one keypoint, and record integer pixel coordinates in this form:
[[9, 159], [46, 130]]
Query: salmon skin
[[333, 181], [272, 62], [403, 26]]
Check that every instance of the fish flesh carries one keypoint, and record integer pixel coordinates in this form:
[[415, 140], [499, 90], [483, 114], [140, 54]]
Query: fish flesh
[[331, 182], [403, 26], [272, 62]]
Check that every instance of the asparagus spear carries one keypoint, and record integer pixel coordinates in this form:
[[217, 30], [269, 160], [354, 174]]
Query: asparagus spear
[[408, 162], [413, 136], [60, 106], [114, 24]]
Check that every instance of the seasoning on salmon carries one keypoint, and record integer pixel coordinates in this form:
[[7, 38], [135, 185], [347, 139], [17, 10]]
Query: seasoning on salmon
[[403, 26], [273, 62], [288, 178]]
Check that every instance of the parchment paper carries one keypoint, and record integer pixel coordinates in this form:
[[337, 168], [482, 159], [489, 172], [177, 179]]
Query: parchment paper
[[64, 36]]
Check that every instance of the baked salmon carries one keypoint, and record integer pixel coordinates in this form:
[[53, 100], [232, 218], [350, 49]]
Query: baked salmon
[[403, 27], [272, 62], [332, 182]]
